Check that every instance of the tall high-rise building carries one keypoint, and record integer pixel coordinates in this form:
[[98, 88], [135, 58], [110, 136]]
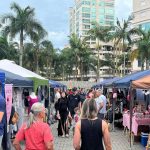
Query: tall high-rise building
[[141, 14], [87, 11], [83, 14], [141, 18]]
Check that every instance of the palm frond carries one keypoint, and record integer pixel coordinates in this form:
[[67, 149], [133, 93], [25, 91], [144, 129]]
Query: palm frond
[[16, 8]]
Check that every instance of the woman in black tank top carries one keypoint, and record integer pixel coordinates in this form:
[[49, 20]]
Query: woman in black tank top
[[91, 134], [91, 131]]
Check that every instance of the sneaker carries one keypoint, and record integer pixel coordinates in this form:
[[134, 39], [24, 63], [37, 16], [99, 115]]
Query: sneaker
[[63, 136], [67, 135]]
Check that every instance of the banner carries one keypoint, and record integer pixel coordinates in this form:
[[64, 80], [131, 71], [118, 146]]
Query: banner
[[8, 97], [2, 82]]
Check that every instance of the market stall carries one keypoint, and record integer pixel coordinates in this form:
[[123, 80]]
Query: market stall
[[100, 84], [16, 80], [55, 84], [125, 83], [143, 83], [40, 84], [12, 67], [12, 86]]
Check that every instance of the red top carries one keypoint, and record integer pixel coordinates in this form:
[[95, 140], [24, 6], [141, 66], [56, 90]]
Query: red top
[[36, 136]]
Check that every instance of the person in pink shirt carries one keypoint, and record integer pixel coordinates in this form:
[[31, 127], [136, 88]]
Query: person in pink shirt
[[36, 134], [32, 99]]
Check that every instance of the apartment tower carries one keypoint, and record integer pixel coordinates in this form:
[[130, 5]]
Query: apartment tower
[[141, 18], [85, 12]]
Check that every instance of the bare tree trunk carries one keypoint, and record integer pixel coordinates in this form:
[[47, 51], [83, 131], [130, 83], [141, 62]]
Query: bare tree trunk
[[63, 73], [81, 71], [147, 64], [37, 62], [98, 65], [76, 72], [116, 61], [47, 69], [21, 48], [50, 69], [142, 65], [124, 58]]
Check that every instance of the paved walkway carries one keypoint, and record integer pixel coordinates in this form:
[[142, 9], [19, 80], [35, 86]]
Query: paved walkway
[[119, 141]]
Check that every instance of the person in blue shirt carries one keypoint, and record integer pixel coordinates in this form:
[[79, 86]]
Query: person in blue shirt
[[2, 118]]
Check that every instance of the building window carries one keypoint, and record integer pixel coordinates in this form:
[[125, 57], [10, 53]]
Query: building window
[[102, 22], [93, 2], [86, 3], [102, 4], [109, 11], [102, 10], [86, 9], [84, 32], [102, 17], [109, 23], [145, 26], [93, 10], [86, 20], [109, 17], [86, 26], [109, 4], [85, 15], [93, 15]]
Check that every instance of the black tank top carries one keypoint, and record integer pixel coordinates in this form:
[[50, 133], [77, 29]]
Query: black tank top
[[91, 134]]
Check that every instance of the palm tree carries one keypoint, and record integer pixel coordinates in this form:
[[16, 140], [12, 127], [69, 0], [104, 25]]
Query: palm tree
[[103, 34], [76, 45], [36, 47], [49, 53], [142, 52], [8, 50], [29, 56], [20, 24], [84, 57], [123, 35], [63, 63]]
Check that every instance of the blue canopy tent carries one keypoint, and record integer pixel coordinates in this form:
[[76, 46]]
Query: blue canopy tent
[[102, 83], [125, 81], [16, 80], [110, 82], [55, 84]]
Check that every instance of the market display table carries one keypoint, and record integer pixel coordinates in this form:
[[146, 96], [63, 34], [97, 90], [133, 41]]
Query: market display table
[[136, 122]]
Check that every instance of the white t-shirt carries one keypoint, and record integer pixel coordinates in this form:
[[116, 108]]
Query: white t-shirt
[[101, 99], [57, 96]]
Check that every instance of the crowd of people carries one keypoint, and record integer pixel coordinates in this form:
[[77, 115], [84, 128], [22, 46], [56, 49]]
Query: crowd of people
[[77, 110]]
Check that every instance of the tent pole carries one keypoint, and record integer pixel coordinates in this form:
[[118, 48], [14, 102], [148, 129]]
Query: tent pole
[[49, 103], [131, 114], [113, 103]]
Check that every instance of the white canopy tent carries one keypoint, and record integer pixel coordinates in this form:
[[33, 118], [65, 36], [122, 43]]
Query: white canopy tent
[[11, 66]]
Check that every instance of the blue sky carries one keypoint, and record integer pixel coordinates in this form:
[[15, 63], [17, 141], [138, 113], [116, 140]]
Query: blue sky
[[54, 15]]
